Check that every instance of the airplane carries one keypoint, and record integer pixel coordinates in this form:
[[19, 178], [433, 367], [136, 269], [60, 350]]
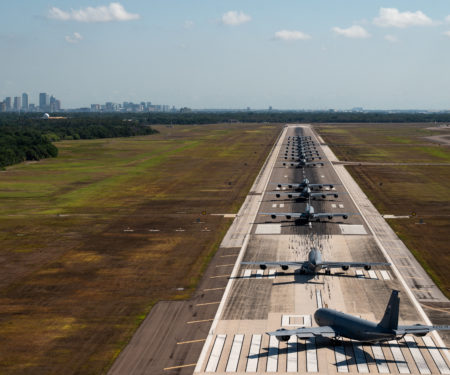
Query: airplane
[[306, 193], [335, 324], [305, 183], [315, 264], [307, 215], [303, 163]]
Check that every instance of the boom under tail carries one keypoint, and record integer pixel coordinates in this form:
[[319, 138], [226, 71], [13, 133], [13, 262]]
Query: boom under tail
[[390, 318]]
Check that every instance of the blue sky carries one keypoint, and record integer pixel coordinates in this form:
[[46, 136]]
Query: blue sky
[[288, 54]]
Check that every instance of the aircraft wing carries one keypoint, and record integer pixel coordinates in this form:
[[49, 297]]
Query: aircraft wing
[[305, 332], [287, 263], [325, 214], [352, 264], [419, 329], [314, 163], [320, 185], [322, 194], [287, 214], [289, 185]]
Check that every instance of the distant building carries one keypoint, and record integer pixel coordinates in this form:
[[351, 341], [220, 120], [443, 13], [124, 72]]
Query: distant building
[[2, 107], [8, 103], [95, 107], [17, 103], [44, 101], [25, 101]]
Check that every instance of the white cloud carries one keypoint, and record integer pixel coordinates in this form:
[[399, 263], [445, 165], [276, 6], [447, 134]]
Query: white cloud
[[392, 17], [188, 24], [447, 19], [391, 38], [74, 38], [352, 32], [447, 33], [291, 35], [233, 18], [104, 13]]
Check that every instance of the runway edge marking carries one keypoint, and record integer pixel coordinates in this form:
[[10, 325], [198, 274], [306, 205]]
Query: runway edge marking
[[388, 258], [271, 160]]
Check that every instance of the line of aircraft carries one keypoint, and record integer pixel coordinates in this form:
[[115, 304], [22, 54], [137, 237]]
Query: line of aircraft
[[331, 323]]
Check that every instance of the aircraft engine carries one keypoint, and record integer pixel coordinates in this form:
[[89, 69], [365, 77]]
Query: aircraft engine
[[330, 217], [285, 157], [290, 195], [367, 267], [290, 186], [345, 217], [262, 266], [279, 185], [284, 267], [320, 187], [288, 217], [336, 196], [324, 196], [331, 186], [278, 195], [284, 163], [273, 216], [345, 268]]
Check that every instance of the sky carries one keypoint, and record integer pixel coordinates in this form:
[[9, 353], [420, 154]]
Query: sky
[[288, 54]]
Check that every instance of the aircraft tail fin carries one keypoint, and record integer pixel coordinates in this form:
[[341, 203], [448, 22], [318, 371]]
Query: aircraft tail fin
[[390, 318]]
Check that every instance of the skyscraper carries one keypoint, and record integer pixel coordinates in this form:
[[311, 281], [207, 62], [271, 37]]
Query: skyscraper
[[25, 101], [8, 103], [17, 103], [44, 101]]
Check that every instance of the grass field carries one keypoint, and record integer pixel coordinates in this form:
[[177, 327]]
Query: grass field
[[92, 239], [420, 191]]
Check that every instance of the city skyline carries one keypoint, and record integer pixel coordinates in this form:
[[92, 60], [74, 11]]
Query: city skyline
[[230, 55]]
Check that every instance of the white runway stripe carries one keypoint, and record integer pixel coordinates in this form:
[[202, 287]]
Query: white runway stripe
[[307, 321], [216, 352], [259, 273], [272, 273], [385, 275], [281, 205], [341, 205], [319, 299], [253, 355], [341, 359], [398, 357], [272, 358], [360, 274], [379, 359], [372, 274], [247, 273], [333, 205], [274, 205], [235, 353], [291, 365], [417, 355], [360, 358], [311, 355], [436, 355], [285, 320]]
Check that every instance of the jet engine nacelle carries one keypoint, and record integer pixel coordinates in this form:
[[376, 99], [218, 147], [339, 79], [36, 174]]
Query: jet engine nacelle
[[283, 338], [336, 196], [284, 267], [345, 268], [324, 196], [289, 195], [345, 217], [367, 267], [284, 163], [278, 195], [273, 216], [330, 217], [288, 217], [262, 266]]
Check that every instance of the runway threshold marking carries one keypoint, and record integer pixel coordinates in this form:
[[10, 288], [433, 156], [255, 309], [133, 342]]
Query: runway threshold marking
[[207, 303], [253, 355], [379, 359], [341, 359], [417, 355], [235, 353], [190, 341], [199, 321], [311, 355], [360, 358], [180, 366], [436, 355], [272, 355], [216, 352], [291, 365]]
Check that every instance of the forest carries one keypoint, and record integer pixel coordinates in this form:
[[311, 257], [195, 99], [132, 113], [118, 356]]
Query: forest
[[27, 138]]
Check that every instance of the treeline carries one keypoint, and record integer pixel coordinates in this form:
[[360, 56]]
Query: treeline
[[29, 138], [293, 117]]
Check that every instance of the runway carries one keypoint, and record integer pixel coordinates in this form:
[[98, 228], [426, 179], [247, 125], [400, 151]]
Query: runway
[[256, 301]]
